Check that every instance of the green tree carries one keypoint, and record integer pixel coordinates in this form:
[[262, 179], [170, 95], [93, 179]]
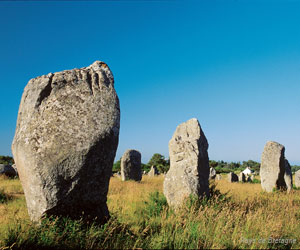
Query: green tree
[[295, 168], [213, 164], [146, 167], [157, 159], [7, 160], [160, 162], [117, 166], [252, 165]]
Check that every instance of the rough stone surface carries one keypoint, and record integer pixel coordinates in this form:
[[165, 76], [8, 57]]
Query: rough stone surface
[[153, 171], [65, 142], [288, 176], [272, 168], [212, 173], [232, 177], [242, 177], [218, 177], [297, 179], [7, 170], [131, 168], [189, 165]]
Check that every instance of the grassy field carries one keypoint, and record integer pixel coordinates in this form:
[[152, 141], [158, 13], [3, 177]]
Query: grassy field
[[239, 215]]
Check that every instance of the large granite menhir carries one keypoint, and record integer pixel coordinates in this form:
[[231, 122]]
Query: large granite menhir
[[189, 164], [65, 142], [274, 170], [131, 166]]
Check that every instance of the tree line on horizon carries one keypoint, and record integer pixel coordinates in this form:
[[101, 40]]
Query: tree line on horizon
[[162, 164]]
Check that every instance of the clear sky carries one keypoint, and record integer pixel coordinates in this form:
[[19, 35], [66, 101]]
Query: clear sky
[[234, 65]]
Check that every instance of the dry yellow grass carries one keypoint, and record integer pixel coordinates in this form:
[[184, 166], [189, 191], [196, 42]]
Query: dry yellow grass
[[251, 220], [125, 198], [10, 186], [248, 220]]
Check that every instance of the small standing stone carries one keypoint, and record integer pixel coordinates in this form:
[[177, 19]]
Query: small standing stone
[[218, 177], [288, 177], [212, 173], [189, 164], [297, 179], [232, 177], [249, 178], [153, 171], [131, 168], [242, 177], [7, 170]]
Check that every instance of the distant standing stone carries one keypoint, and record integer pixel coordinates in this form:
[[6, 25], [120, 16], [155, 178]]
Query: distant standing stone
[[65, 142], [131, 165], [7, 170], [14, 166], [153, 171], [232, 177], [189, 165], [273, 167], [212, 173], [242, 177], [249, 178], [288, 176], [297, 179]]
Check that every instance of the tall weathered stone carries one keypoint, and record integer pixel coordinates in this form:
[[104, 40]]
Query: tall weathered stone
[[272, 169], [297, 179], [131, 168], [232, 177], [153, 171], [189, 165], [288, 176], [65, 142]]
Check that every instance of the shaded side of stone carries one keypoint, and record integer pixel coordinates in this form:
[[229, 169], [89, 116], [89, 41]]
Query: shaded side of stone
[[232, 177]]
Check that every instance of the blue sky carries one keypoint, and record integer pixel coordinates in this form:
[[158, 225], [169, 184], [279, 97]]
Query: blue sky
[[234, 65]]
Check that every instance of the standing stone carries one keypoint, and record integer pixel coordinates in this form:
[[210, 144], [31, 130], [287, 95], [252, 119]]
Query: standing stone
[[272, 168], [131, 168], [288, 176], [189, 165], [218, 177], [65, 142], [232, 177], [249, 178], [14, 166], [297, 179], [242, 177], [212, 173], [153, 171], [7, 170]]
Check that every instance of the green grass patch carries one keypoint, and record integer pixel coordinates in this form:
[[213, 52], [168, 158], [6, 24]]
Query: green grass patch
[[4, 197]]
